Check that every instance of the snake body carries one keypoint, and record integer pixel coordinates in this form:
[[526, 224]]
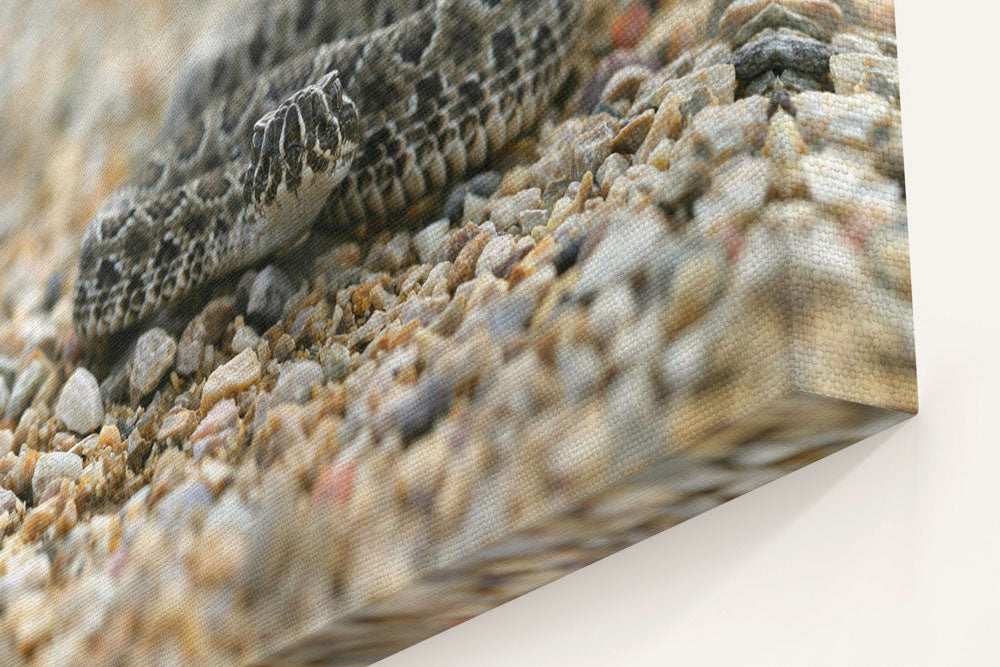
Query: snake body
[[353, 110]]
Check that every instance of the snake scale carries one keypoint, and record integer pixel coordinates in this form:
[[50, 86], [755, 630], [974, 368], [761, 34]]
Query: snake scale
[[353, 110]]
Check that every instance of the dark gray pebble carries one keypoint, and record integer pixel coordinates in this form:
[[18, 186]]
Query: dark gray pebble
[[483, 185], [430, 399], [241, 294], [52, 289], [271, 289], [137, 452]]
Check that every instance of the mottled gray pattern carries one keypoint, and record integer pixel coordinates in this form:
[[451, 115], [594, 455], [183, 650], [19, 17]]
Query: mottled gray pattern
[[430, 91]]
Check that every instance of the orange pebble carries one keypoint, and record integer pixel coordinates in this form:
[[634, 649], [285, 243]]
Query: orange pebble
[[630, 26]]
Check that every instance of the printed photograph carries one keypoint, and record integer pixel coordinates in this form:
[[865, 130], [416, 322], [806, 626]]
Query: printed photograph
[[326, 326]]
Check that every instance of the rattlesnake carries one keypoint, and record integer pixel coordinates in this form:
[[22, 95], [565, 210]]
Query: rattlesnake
[[431, 90]]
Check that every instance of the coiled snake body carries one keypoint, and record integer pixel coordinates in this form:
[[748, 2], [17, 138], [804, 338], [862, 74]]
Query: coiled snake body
[[351, 109]]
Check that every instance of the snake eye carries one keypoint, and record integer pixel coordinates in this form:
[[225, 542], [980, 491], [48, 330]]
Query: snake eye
[[258, 139]]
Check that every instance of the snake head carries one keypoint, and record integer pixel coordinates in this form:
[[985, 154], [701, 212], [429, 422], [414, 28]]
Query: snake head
[[308, 132]]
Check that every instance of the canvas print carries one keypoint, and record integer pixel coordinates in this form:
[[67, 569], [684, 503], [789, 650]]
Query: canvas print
[[326, 326]]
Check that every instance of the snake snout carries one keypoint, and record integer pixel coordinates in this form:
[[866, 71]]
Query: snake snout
[[308, 131]]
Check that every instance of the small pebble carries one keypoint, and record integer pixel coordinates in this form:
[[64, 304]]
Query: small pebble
[[683, 364], [522, 247], [339, 279], [284, 434], [114, 388], [190, 347], [244, 338], [336, 362], [4, 395], [49, 389], [216, 474], [39, 332], [593, 147], [504, 212], [52, 288], [493, 255], [208, 360], [666, 124], [567, 255], [8, 500], [295, 382], [614, 166], [465, 264], [110, 437], [137, 451], [241, 296], [632, 135], [178, 424], [629, 244], [217, 430], [136, 505], [284, 347], [396, 251], [6, 442], [79, 406], [429, 239], [18, 479], [531, 218], [124, 427], [482, 185], [270, 291], [216, 315], [241, 372], [179, 507], [27, 383], [455, 242], [55, 465], [628, 28], [154, 354], [373, 327], [301, 324], [8, 369]]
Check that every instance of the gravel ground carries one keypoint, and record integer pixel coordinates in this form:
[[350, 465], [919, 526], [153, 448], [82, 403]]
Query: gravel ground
[[356, 424]]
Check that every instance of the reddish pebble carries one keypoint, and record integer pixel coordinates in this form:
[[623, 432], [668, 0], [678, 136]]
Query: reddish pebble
[[72, 349], [630, 26], [335, 483], [116, 564]]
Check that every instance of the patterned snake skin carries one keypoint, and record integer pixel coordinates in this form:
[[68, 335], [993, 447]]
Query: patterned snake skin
[[430, 91]]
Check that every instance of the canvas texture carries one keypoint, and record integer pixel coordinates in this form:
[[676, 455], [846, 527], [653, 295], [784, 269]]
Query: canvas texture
[[326, 326]]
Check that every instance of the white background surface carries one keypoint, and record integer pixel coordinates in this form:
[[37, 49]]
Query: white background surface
[[887, 553]]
